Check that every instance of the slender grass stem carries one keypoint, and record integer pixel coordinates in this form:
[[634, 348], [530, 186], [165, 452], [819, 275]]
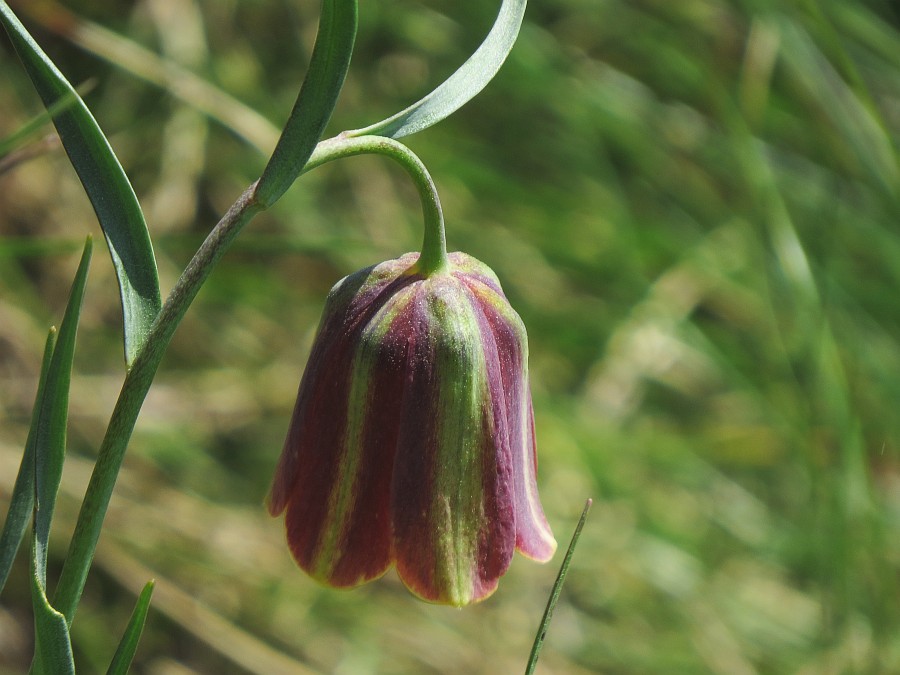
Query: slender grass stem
[[554, 593]]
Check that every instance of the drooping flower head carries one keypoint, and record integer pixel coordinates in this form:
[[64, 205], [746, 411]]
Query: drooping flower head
[[412, 439]]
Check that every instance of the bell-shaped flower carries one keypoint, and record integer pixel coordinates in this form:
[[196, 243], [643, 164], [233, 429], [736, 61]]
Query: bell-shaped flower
[[412, 439]]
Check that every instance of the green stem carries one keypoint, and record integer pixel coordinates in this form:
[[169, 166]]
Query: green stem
[[434, 244], [131, 398]]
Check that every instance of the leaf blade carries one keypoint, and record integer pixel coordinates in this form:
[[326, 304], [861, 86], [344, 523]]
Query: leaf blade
[[463, 85], [52, 644], [318, 95], [555, 592], [105, 183], [121, 660], [22, 501], [52, 417]]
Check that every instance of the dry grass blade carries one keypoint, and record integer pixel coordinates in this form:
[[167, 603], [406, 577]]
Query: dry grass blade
[[152, 68], [237, 645], [35, 149]]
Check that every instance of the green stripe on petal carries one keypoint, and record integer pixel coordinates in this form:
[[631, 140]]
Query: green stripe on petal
[[458, 510], [342, 501]]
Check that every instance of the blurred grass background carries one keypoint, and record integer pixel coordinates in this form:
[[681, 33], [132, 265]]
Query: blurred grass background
[[694, 207]]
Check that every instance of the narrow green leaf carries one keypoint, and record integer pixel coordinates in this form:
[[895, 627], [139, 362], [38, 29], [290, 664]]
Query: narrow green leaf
[[128, 646], [106, 185], [22, 501], [315, 102], [52, 416], [52, 644], [53, 648], [554, 593], [859, 124], [463, 85]]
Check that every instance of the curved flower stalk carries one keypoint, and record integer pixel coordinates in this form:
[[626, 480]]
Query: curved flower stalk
[[412, 439]]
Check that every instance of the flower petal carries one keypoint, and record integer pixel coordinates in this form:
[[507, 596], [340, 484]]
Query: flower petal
[[317, 478], [355, 545], [533, 536], [453, 530]]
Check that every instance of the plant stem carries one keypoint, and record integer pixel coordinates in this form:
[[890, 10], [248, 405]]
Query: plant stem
[[131, 397], [434, 244]]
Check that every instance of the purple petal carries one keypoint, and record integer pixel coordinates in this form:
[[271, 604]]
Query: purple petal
[[454, 526]]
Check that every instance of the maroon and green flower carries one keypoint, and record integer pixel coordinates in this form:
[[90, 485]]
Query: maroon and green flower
[[412, 439]]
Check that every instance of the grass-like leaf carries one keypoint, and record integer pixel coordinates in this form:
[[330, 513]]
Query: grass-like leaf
[[22, 500], [463, 85], [52, 646], [125, 652], [857, 122], [104, 181], [52, 416], [316, 100], [554, 593]]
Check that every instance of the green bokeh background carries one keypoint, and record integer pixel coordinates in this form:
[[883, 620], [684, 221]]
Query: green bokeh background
[[694, 206]]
